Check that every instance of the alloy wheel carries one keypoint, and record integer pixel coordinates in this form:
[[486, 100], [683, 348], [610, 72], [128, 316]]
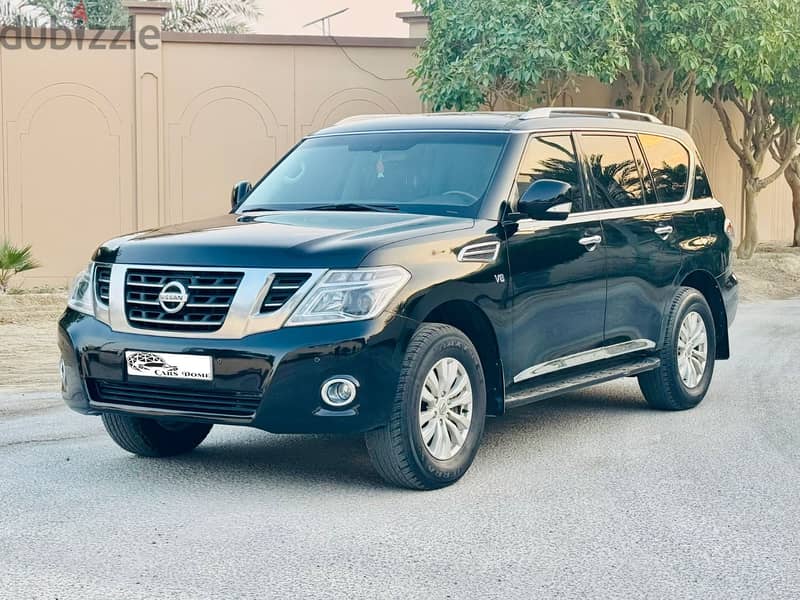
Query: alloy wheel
[[445, 408], [692, 349]]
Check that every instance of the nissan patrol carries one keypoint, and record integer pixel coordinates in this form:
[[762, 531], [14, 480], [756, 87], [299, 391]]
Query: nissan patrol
[[407, 276]]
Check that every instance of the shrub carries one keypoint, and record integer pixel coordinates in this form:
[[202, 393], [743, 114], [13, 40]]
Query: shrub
[[14, 260]]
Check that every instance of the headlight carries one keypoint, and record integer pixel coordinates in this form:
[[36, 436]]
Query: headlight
[[81, 294], [352, 295]]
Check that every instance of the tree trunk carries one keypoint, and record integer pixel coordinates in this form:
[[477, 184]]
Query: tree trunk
[[792, 175], [691, 101], [750, 238]]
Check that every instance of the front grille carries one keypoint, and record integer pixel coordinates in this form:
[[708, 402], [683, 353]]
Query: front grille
[[210, 296], [228, 404], [283, 287], [102, 283]]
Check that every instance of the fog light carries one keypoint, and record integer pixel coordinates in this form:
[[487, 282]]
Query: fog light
[[339, 391]]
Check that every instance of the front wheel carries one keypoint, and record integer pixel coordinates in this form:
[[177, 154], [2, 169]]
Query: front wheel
[[687, 355], [150, 437], [437, 415]]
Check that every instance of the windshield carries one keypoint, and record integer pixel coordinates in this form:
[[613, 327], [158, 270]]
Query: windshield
[[429, 173]]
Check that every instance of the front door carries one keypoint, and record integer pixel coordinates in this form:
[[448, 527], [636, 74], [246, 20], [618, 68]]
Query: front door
[[558, 281]]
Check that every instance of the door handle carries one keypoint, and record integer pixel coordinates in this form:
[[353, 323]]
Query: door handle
[[590, 242], [663, 231]]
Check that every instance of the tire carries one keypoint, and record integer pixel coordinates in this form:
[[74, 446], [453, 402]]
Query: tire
[[668, 387], [399, 452], [149, 437]]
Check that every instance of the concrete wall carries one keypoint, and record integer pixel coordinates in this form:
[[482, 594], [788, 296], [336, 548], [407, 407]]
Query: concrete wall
[[96, 142]]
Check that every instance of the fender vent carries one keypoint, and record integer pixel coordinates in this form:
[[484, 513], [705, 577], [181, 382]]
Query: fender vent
[[485, 252]]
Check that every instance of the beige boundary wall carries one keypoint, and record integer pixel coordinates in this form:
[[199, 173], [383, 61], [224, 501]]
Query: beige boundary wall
[[97, 142]]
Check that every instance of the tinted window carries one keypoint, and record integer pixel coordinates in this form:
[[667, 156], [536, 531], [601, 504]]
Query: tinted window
[[702, 188], [617, 182], [551, 157], [669, 163], [429, 173]]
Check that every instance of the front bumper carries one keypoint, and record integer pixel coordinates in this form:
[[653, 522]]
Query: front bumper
[[283, 370]]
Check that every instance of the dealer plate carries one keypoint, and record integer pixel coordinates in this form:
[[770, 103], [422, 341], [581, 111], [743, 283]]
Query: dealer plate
[[169, 366]]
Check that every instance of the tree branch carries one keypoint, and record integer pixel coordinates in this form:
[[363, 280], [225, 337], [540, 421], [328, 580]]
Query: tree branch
[[727, 126], [789, 156]]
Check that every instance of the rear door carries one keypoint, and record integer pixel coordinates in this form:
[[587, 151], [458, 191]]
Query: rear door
[[558, 282], [642, 254]]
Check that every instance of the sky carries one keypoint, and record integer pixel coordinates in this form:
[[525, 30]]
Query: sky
[[365, 17]]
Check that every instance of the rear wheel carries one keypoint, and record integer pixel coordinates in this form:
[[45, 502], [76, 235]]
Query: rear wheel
[[437, 415], [687, 355], [150, 437]]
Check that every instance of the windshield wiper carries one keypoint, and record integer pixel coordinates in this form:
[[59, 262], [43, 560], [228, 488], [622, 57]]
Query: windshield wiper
[[351, 206]]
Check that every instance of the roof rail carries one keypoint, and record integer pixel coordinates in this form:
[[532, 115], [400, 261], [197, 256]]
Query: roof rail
[[358, 118], [612, 113]]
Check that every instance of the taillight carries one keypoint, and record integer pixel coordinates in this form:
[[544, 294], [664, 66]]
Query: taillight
[[729, 229]]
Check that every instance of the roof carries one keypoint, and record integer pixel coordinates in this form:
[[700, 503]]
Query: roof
[[536, 120]]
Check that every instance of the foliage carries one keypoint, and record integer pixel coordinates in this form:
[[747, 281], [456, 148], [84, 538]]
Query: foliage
[[100, 14], [664, 59], [480, 52], [14, 260], [196, 16], [753, 77], [14, 13], [211, 16]]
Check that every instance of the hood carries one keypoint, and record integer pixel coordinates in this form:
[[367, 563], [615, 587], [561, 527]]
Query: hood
[[291, 239]]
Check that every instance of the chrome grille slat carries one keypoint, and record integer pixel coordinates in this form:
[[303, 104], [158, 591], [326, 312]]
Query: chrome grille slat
[[102, 283], [182, 323], [284, 286], [211, 295]]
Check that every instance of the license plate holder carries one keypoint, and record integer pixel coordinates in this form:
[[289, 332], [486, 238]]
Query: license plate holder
[[163, 365]]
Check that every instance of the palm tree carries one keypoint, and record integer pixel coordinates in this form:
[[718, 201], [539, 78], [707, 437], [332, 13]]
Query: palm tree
[[195, 16], [211, 16], [15, 13], [14, 260]]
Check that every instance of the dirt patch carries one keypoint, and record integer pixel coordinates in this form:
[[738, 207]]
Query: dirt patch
[[28, 350], [772, 274]]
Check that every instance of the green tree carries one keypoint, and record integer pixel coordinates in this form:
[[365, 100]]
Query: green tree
[[753, 58], [482, 52], [665, 58], [14, 260]]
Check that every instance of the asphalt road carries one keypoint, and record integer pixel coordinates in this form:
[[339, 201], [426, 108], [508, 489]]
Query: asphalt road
[[590, 495]]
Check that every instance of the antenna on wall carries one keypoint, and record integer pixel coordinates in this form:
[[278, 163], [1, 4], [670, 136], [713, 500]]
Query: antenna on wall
[[326, 21]]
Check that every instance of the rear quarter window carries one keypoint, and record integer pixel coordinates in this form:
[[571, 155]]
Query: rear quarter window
[[669, 164], [702, 188]]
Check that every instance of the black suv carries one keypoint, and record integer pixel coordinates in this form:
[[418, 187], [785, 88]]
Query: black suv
[[406, 277]]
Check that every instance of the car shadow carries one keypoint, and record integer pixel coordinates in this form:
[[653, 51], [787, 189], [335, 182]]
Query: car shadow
[[307, 461]]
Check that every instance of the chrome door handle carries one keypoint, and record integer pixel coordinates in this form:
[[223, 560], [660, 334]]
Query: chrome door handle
[[664, 231], [590, 242]]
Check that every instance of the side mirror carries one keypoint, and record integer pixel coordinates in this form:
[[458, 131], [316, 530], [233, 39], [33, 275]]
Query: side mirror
[[240, 193], [546, 200]]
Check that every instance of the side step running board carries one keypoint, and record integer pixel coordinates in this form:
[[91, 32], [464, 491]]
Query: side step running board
[[584, 379]]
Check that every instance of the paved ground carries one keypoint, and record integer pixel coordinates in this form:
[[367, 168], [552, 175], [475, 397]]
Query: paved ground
[[587, 496]]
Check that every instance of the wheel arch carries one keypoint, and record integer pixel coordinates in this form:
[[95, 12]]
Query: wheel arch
[[705, 283], [473, 322]]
